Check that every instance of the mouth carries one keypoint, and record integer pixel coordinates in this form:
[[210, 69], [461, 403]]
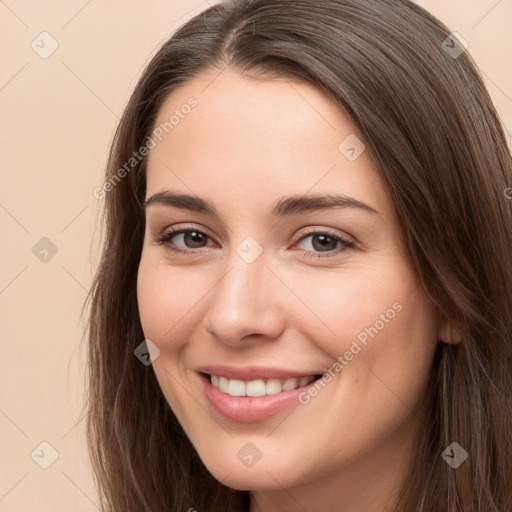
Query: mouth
[[249, 401], [258, 387]]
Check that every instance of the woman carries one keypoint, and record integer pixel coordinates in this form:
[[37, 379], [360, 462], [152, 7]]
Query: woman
[[308, 236]]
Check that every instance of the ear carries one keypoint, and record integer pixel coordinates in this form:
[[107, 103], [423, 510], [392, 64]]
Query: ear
[[449, 334]]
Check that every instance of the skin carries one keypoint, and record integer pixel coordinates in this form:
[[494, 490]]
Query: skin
[[246, 144]]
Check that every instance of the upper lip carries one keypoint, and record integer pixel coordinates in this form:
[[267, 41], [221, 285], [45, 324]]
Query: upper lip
[[248, 373]]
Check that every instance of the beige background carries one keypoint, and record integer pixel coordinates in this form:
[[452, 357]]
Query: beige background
[[58, 115]]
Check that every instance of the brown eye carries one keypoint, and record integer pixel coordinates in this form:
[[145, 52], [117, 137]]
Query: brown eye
[[188, 238], [324, 243], [328, 243], [193, 239]]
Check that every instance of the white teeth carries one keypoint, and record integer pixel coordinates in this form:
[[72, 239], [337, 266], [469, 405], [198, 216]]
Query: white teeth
[[273, 387], [290, 384], [254, 388], [258, 387], [236, 388], [223, 384]]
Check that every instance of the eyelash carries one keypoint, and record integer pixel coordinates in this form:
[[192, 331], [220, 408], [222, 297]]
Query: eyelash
[[165, 238]]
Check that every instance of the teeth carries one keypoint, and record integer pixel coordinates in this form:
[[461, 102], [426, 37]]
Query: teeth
[[258, 387], [304, 380], [290, 384], [236, 388], [273, 387], [223, 384], [255, 388]]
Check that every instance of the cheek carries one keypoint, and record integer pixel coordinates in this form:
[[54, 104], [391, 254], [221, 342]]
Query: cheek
[[397, 345], [381, 324], [165, 304], [355, 304]]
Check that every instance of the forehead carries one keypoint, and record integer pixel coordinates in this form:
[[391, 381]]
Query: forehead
[[247, 135]]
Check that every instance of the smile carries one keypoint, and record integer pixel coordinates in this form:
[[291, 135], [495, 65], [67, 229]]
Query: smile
[[235, 387], [248, 396]]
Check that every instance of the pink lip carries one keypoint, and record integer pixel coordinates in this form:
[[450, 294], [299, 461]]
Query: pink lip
[[254, 372], [248, 409]]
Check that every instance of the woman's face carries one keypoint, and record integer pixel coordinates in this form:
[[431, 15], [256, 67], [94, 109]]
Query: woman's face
[[269, 289]]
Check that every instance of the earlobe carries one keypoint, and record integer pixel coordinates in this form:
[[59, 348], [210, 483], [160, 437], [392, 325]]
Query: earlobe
[[449, 334]]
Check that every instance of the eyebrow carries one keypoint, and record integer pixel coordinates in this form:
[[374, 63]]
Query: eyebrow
[[285, 206]]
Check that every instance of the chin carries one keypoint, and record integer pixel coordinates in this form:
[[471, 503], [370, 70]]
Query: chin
[[265, 474]]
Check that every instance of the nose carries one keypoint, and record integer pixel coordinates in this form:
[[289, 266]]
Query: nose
[[246, 306]]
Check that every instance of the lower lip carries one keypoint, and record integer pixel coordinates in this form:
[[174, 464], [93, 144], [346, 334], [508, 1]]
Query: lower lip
[[248, 409]]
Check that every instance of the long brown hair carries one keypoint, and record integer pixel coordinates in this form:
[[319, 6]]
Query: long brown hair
[[431, 128]]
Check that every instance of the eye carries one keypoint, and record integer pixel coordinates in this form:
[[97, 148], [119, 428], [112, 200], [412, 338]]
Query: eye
[[321, 242], [325, 242], [192, 238]]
